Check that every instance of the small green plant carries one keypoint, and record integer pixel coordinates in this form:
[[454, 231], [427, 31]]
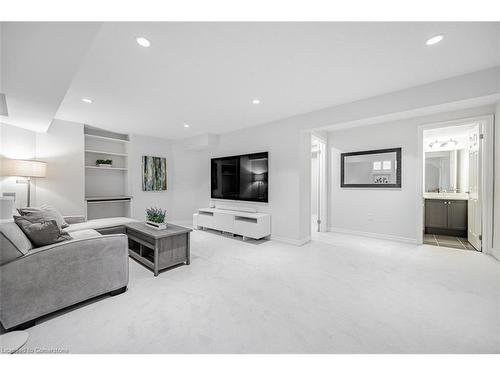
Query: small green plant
[[104, 161], [156, 215]]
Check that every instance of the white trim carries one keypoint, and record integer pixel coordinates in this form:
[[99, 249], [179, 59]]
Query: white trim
[[488, 176], [105, 153], [388, 237], [291, 241], [101, 137], [322, 180]]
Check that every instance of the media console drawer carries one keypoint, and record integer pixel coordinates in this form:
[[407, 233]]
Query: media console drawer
[[224, 222], [205, 220], [249, 228], [252, 225]]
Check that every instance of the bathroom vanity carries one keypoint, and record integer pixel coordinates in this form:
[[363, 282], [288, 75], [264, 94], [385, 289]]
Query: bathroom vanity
[[446, 214]]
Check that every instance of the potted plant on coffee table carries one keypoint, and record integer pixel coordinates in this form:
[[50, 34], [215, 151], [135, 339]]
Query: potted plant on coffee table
[[155, 218]]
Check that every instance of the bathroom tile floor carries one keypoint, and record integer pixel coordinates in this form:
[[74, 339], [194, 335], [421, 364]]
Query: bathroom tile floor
[[448, 241]]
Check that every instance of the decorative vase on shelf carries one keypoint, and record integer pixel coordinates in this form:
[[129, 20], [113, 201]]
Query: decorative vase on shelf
[[155, 218]]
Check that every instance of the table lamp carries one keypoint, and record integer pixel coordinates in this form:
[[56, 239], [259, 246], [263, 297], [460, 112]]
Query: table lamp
[[259, 178]]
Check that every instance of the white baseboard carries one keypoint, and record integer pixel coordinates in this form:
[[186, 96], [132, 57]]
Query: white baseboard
[[380, 236], [291, 241]]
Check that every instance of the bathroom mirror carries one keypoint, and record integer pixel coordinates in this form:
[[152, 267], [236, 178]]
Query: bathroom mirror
[[446, 171], [371, 169]]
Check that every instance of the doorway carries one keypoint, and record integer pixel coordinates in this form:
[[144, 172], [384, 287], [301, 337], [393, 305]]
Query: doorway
[[457, 190], [318, 185]]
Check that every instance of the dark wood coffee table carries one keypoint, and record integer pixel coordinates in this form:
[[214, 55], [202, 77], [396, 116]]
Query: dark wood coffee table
[[158, 249]]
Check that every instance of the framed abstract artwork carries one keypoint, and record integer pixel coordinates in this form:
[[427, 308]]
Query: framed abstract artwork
[[154, 173]]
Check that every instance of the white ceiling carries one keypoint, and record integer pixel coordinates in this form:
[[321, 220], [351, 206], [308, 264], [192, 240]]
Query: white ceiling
[[206, 74], [38, 63]]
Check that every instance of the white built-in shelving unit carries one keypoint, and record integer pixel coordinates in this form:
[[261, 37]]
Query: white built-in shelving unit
[[106, 188]]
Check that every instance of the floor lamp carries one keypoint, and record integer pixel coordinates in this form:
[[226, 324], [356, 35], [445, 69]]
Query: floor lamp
[[24, 168], [13, 341]]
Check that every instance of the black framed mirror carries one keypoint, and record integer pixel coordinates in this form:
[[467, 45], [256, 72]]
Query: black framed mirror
[[371, 169]]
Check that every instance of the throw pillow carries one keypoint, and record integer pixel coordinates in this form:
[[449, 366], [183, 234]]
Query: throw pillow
[[46, 212], [41, 232]]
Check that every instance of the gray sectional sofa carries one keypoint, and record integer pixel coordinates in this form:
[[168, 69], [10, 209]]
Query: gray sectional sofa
[[37, 281]]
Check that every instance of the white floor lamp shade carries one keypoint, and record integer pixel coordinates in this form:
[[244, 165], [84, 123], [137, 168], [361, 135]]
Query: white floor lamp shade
[[23, 168]]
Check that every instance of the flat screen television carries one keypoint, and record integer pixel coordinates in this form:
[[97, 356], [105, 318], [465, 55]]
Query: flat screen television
[[240, 177]]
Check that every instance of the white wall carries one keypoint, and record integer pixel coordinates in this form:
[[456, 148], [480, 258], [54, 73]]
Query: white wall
[[16, 143], [288, 141], [140, 146], [390, 213], [283, 174], [62, 148], [189, 179]]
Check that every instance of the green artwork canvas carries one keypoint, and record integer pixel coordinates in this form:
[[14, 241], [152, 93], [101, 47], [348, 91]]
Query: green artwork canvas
[[154, 173]]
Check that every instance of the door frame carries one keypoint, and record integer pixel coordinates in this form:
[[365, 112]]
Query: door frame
[[322, 181], [487, 176]]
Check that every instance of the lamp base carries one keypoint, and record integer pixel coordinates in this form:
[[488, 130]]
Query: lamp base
[[27, 181]]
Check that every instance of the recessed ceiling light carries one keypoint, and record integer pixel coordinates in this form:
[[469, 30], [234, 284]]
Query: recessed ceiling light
[[434, 40], [87, 100], [143, 42], [186, 126], [256, 101]]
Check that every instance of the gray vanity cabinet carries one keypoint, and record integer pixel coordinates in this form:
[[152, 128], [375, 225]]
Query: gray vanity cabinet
[[457, 215], [436, 213], [446, 217]]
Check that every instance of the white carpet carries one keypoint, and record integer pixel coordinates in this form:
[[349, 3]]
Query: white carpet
[[342, 294]]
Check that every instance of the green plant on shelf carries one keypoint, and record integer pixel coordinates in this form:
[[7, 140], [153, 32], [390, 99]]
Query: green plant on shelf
[[104, 162], [156, 215]]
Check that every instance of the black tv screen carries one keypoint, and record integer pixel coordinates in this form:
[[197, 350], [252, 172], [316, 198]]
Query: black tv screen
[[241, 177]]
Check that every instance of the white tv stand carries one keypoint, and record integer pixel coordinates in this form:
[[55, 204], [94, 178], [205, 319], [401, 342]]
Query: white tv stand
[[247, 224]]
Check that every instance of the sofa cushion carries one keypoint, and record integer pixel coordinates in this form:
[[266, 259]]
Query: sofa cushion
[[13, 242], [85, 233], [100, 223], [45, 212], [41, 232]]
